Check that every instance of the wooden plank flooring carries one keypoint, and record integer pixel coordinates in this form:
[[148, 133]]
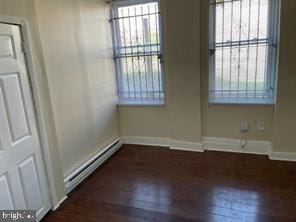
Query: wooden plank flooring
[[151, 184]]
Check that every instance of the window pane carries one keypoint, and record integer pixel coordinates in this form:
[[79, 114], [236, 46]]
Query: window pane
[[241, 69], [141, 78], [137, 52], [242, 64], [238, 20]]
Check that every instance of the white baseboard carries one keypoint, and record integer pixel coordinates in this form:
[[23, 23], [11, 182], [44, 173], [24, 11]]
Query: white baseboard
[[233, 145], [85, 169], [214, 144], [283, 156], [163, 142], [187, 146], [59, 203], [146, 141]]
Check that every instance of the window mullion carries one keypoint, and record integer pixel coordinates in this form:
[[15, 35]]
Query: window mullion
[[230, 64], [116, 47], [144, 51], [222, 69], [139, 68], [132, 50], [150, 59], [126, 60], [239, 50], [212, 50], [158, 50], [248, 50], [256, 69]]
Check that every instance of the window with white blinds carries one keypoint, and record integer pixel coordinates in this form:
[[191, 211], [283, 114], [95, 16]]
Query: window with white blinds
[[243, 51], [137, 51]]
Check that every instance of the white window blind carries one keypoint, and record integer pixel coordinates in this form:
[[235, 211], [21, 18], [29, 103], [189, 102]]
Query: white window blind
[[243, 51], [137, 51]]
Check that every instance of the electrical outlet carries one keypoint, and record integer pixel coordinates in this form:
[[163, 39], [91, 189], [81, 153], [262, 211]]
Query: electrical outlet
[[260, 126], [244, 126]]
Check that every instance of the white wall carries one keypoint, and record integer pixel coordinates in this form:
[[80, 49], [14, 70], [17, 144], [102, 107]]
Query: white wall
[[26, 9], [180, 118], [284, 139], [186, 94], [224, 120], [73, 60], [187, 115], [77, 48]]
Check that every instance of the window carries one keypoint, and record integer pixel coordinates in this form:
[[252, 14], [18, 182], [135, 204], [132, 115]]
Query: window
[[243, 51], [137, 51]]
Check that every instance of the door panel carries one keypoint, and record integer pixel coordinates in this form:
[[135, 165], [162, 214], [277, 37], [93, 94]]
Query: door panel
[[23, 183], [30, 183], [4, 135], [15, 109], [6, 202], [6, 49]]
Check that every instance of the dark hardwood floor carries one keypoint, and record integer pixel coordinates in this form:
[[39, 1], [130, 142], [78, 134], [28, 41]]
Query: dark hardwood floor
[[150, 184]]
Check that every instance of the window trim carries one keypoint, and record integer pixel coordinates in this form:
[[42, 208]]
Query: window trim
[[273, 31], [114, 13]]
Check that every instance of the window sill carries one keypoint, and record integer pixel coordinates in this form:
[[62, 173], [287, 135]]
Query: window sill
[[241, 102], [141, 103]]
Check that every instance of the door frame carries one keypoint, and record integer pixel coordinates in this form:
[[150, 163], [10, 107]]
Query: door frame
[[38, 108]]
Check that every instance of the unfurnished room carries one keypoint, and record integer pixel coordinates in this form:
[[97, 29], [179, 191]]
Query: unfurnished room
[[147, 110]]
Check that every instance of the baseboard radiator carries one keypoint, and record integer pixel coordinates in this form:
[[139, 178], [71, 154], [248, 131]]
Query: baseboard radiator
[[79, 174]]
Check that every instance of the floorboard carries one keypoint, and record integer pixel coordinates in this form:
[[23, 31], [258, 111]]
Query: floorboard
[[156, 184]]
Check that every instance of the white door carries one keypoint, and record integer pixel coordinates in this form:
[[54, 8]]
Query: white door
[[23, 182]]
